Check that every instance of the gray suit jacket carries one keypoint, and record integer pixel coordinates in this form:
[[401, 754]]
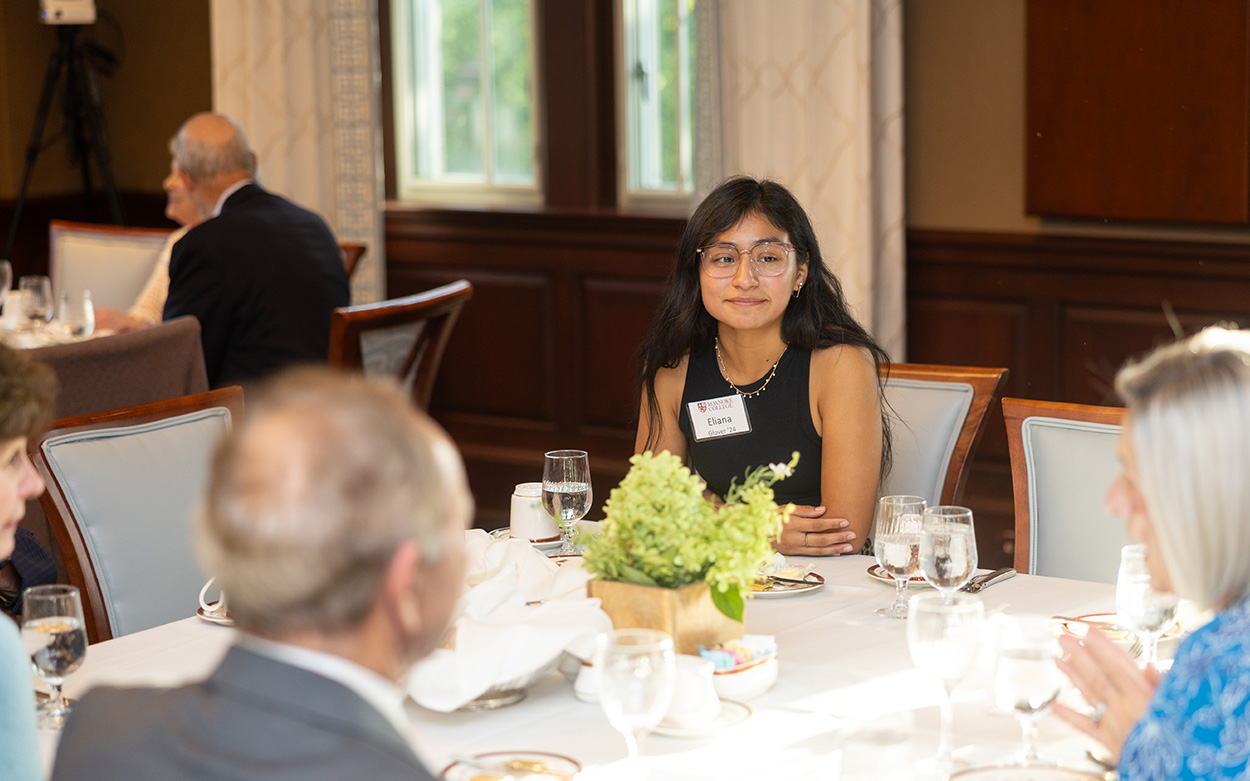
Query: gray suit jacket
[[254, 718]]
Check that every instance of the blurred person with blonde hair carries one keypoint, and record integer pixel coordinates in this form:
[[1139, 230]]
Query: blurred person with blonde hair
[[333, 521], [1183, 492]]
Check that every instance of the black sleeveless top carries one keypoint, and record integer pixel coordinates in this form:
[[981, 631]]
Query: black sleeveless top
[[781, 423]]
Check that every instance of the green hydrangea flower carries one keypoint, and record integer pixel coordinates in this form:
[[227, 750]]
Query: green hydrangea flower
[[659, 529]]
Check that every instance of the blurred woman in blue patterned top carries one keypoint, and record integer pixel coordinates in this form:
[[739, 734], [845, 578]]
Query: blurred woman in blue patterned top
[[1183, 492]]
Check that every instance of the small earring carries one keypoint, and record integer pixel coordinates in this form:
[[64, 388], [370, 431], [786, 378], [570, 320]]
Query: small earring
[[798, 290]]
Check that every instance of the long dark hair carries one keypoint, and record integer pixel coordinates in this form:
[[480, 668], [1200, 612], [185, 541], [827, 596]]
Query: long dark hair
[[818, 318]]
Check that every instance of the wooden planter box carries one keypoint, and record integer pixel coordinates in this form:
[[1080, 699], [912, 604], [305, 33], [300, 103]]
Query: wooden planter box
[[686, 613]]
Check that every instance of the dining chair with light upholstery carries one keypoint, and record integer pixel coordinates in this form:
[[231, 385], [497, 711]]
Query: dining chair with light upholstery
[[114, 262], [111, 261], [122, 485], [1063, 459], [939, 414], [162, 362], [402, 338]]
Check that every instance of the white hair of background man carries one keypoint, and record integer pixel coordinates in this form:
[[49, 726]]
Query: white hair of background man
[[311, 495]]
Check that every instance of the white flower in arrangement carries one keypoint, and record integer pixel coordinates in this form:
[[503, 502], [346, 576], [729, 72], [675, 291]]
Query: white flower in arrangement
[[781, 471]]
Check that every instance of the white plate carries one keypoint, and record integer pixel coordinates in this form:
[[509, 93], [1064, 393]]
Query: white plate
[[731, 713], [876, 573], [546, 546], [1021, 773], [213, 618], [1120, 638], [563, 767], [778, 590]]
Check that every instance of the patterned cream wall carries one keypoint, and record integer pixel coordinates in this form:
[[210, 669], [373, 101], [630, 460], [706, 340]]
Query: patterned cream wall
[[303, 78], [811, 94]]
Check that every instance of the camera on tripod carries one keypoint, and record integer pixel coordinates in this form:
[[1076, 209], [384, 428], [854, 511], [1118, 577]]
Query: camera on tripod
[[67, 11]]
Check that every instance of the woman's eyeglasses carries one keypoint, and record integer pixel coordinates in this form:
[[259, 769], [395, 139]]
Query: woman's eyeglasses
[[768, 259]]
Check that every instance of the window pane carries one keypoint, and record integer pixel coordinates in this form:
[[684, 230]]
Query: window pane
[[513, 146], [462, 90], [658, 68], [463, 98]]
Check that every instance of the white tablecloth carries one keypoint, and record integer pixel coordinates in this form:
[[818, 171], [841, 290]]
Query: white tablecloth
[[839, 663]]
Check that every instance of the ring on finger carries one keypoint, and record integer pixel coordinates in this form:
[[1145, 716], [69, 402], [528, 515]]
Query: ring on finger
[[1100, 710], [805, 538]]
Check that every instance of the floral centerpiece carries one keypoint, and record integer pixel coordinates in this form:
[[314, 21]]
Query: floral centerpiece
[[660, 531]]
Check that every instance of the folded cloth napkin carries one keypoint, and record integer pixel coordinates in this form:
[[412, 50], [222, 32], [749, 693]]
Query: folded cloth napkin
[[499, 639], [781, 568]]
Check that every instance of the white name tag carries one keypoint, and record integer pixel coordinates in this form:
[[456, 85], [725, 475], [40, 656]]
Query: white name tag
[[716, 418]]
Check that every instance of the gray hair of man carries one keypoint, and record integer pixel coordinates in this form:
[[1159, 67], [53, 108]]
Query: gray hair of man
[[1189, 413], [205, 160], [311, 495]]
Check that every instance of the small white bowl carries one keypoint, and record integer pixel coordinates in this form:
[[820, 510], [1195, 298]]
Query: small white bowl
[[747, 681]]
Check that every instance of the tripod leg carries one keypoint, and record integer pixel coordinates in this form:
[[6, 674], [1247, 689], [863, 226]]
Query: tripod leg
[[93, 108], [36, 136]]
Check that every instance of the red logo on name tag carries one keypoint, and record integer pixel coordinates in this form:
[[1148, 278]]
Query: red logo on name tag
[[702, 407]]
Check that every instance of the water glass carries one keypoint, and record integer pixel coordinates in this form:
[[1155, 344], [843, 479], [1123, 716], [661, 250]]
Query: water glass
[[948, 548], [896, 543], [566, 492], [943, 637], [1026, 680], [1141, 608], [36, 293], [6, 282], [54, 636], [637, 672], [77, 314]]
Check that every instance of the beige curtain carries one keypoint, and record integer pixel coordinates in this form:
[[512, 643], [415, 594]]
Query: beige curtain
[[303, 78], [810, 92]]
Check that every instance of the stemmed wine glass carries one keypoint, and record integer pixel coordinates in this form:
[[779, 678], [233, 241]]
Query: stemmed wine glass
[[1026, 680], [943, 638], [896, 543], [637, 672], [1140, 607], [36, 294], [948, 548], [53, 633], [566, 492], [6, 282]]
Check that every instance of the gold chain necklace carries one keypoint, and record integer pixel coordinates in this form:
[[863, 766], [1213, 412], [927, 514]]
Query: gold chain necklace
[[725, 373]]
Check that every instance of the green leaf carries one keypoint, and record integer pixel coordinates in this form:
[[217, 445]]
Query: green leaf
[[636, 576], [729, 602]]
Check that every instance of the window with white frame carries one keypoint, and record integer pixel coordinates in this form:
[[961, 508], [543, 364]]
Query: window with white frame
[[464, 100], [657, 73]]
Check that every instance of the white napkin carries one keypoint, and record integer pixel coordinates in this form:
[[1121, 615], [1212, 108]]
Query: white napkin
[[500, 639]]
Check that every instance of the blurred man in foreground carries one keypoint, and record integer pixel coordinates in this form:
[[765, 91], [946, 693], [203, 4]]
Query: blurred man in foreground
[[261, 274], [334, 524]]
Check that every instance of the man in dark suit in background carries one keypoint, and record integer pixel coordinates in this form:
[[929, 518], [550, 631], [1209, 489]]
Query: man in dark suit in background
[[261, 274], [334, 523]]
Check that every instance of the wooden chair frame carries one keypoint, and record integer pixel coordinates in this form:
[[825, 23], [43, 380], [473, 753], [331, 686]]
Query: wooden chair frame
[[1015, 412], [79, 568], [439, 308], [987, 384]]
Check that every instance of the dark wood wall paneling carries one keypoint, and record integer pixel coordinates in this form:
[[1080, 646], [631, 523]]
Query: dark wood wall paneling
[[1139, 110], [1063, 313], [544, 354]]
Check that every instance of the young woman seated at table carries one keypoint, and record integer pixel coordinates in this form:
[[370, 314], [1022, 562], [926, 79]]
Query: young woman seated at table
[[1184, 455], [754, 355], [26, 393]]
